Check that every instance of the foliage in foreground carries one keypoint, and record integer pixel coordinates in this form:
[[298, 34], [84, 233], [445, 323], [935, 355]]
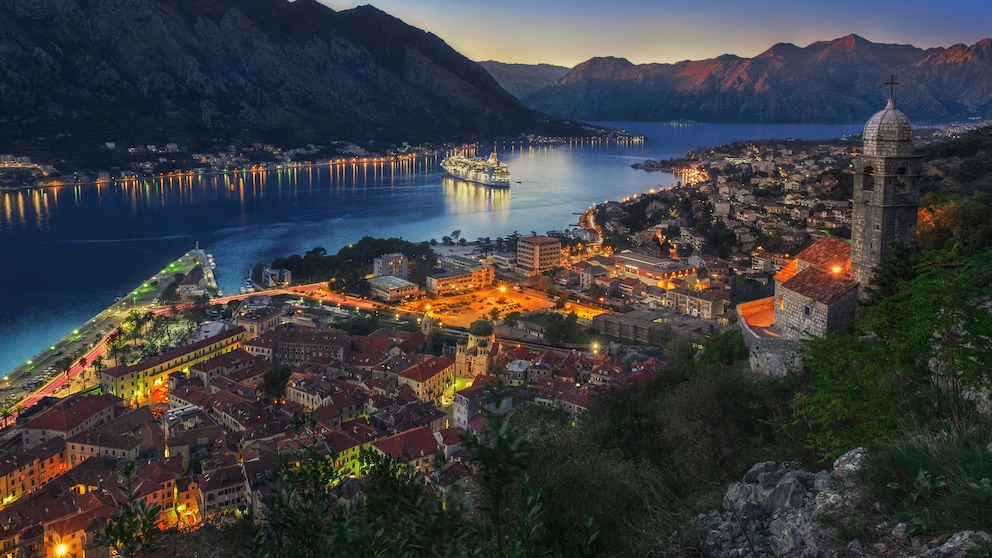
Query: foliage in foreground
[[936, 481], [132, 531], [615, 482], [918, 356]]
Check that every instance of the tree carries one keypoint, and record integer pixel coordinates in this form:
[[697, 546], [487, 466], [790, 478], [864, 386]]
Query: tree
[[501, 461], [132, 531], [301, 510], [274, 381], [512, 318]]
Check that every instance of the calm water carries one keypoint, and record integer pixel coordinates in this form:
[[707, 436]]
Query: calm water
[[70, 251]]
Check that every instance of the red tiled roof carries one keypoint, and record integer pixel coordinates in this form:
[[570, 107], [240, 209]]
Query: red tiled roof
[[409, 444], [427, 369], [827, 254], [413, 343], [450, 436], [787, 272], [71, 412], [821, 286]]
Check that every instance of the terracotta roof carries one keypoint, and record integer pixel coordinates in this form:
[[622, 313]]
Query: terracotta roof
[[427, 369], [827, 254], [409, 444], [228, 360], [449, 436], [821, 286], [71, 412], [413, 343], [369, 343], [787, 272]]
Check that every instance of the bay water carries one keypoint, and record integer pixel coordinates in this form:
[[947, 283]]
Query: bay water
[[69, 251]]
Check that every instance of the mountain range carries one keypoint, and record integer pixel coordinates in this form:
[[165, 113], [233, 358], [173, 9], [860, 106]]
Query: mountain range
[[270, 71], [838, 81], [76, 74]]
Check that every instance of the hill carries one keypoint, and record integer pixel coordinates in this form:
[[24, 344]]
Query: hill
[[838, 81], [78, 73], [521, 80]]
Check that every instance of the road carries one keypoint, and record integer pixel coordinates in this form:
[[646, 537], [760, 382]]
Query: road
[[89, 340]]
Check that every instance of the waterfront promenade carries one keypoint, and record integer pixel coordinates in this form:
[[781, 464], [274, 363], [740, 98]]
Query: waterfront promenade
[[40, 376]]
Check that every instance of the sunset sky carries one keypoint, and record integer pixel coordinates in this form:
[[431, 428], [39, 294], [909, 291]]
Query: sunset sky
[[568, 32]]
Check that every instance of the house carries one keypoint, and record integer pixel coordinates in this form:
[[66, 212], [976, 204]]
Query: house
[[430, 379], [415, 447], [70, 416]]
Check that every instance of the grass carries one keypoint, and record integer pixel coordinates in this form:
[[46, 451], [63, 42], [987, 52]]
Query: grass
[[937, 481]]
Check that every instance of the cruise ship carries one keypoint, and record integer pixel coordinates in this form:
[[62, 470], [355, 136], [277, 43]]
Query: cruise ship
[[489, 171]]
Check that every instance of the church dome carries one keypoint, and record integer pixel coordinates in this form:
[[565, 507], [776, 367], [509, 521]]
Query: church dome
[[481, 328], [889, 133]]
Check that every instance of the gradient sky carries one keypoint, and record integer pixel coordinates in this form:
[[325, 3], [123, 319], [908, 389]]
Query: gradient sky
[[568, 32]]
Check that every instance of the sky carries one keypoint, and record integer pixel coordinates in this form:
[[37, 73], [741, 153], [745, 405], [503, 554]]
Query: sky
[[569, 32]]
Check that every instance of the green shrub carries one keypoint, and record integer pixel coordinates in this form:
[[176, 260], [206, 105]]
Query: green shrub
[[938, 481]]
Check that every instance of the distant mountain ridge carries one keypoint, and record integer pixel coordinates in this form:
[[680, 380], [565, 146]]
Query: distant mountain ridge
[[521, 80], [838, 81], [253, 70]]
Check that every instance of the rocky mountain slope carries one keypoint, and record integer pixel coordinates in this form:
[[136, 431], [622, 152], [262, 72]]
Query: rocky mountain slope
[[838, 81], [249, 70], [521, 80]]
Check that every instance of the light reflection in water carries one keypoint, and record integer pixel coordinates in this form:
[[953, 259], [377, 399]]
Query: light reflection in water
[[461, 196]]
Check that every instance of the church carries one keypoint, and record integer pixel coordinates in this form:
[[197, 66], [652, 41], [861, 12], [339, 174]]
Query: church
[[477, 354], [819, 290]]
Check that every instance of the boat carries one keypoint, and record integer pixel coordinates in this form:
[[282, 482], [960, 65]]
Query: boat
[[489, 171]]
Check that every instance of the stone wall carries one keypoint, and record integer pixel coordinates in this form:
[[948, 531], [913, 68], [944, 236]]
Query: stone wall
[[771, 356]]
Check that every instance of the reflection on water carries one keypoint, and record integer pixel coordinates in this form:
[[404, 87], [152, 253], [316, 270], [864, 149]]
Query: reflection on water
[[33, 209], [462, 196], [78, 246]]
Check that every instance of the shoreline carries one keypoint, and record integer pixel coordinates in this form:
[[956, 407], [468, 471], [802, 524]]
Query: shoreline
[[239, 166], [88, 337]]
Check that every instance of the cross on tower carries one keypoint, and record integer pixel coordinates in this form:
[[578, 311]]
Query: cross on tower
[[891, 83]]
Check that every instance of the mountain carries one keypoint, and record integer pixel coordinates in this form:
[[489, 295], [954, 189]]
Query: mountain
[[521, 80], [838, 81], [239, 70]]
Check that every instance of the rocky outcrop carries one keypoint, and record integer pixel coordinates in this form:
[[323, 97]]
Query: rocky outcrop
[[782, 511]]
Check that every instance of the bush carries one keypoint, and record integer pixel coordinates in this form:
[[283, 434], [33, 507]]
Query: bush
[[938, 481]]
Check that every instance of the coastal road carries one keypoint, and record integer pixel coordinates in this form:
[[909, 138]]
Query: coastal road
[[90, 338]]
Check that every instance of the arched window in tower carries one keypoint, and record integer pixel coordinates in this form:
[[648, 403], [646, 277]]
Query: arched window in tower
[[868, 181]]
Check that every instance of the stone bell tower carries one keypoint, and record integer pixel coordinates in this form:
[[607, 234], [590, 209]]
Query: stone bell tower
[[886, 190]]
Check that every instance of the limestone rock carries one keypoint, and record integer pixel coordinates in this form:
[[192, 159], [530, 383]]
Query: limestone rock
[[781, 511], [850, 463]]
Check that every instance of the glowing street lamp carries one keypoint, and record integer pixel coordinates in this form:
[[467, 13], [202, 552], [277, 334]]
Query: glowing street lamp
[[61, 549]]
